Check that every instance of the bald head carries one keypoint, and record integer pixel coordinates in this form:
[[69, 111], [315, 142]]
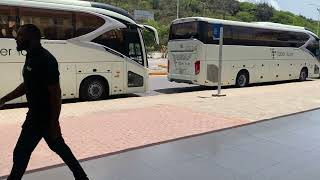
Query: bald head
[[28, 37], [32, 31]]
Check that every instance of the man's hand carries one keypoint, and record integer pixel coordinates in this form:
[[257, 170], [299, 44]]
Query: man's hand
[[18, 92]]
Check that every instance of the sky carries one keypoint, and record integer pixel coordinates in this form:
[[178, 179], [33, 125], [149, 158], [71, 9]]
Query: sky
[[295, 6]]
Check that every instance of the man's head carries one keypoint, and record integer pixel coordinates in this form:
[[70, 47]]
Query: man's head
[[28, 37]]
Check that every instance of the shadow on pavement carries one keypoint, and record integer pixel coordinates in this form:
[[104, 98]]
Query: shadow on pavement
[[184, 89], [68, 101], [178, 90]]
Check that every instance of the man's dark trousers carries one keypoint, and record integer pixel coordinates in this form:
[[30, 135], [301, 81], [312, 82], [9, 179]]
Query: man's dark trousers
[[27, 142]]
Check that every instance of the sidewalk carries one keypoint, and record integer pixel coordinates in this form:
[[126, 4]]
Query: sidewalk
[[281, 149], [95, 129]]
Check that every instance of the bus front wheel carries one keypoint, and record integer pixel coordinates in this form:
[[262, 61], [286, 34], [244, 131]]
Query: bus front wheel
[[242, 79], [303, 74], [93, 88]]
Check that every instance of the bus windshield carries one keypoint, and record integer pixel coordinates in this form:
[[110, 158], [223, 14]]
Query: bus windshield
[[188, 30]]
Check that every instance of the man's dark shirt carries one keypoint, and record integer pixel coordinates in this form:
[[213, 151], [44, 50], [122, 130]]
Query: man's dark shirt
[[40, 70]]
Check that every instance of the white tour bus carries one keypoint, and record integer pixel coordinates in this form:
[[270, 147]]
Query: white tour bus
[[252, 52], [99, 48]]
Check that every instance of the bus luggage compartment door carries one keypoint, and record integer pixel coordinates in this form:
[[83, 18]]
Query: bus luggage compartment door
[[137, 78], [67, 79], [117, 78]]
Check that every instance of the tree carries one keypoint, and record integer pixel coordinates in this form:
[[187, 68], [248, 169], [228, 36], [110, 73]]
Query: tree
[[165, 13], [224, 7], [264, 12], [248, 7], [156, 4], [163, 31], [246, 16], [284, 18]]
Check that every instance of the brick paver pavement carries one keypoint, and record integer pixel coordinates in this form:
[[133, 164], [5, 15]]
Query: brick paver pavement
[[101, 133], [98, 128]]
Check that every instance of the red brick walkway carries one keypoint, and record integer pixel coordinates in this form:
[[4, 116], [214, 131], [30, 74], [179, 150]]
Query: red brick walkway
[[102, 133]]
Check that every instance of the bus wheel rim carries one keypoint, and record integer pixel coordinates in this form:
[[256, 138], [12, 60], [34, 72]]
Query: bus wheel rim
[[303, 75], [95, 90], [242, 80]]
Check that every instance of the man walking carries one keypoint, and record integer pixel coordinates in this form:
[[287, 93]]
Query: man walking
[[42, 88]]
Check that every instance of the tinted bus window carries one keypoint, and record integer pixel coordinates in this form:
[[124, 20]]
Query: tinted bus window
[[247, 36], [113, 39], [133, 47], [188, 30], [264, 37], [54, 25], [86, 23], [8, 22], [43, 19], [59, 25], [314, 48], [64, 25], [124, 41], [243, 36], [302, 38]]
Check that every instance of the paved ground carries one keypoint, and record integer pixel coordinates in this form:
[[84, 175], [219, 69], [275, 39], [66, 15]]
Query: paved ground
[[157, 66], [281, 149], [160, 85], [119, 124]]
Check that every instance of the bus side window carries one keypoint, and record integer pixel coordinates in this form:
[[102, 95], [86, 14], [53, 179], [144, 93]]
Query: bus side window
[[135, 52], [59, 25], [54, 25], [8, 22], [64, 26], [43, 19], [131, 50], [313, 47], [133, 45], [86, 23], [112, 39]]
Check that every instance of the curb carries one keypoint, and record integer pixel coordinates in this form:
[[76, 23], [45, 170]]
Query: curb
[[158, 74]]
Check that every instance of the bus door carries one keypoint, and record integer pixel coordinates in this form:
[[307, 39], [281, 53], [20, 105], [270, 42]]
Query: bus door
[[137, 73]]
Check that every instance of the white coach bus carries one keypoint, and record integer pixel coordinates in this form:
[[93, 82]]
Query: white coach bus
[[252, 52], [99, 48]]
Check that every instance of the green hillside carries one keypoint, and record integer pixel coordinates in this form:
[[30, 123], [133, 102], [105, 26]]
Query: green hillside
[[165, 12]]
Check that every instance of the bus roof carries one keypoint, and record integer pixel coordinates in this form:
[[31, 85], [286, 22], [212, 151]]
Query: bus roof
[[74, 5], [265, 25], [89, 4]]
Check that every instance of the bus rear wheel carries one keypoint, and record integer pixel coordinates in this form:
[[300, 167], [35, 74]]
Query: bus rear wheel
[[303, 74], [93, 88], [242, 79]]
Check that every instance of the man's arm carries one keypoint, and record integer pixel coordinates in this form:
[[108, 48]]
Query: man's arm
[[55, 109], [18, 92]]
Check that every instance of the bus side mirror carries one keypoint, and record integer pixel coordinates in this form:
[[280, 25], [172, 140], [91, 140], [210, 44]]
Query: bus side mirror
[[154, 31]]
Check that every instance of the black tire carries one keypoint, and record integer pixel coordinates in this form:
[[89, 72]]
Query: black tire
[[303, 74], [94, 88], [242, 79]]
